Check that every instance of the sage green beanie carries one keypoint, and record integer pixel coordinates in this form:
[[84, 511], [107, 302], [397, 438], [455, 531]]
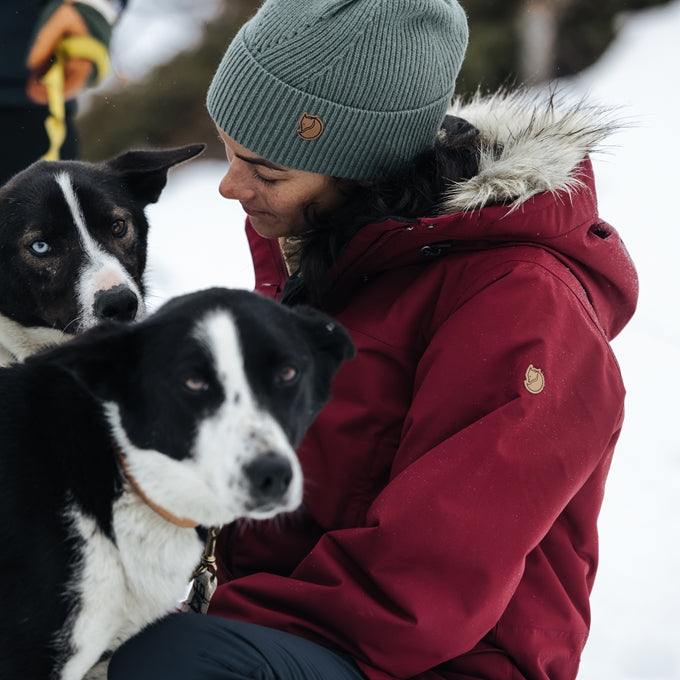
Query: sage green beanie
[[347, 88]]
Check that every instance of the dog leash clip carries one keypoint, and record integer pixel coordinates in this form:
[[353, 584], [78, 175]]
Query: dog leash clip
[[204, 579], [208, 560]]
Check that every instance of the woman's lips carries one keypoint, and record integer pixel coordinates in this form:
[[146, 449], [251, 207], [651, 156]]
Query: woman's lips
[[253, 213]]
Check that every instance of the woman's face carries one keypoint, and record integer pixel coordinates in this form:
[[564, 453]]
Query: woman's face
[[275, 198]]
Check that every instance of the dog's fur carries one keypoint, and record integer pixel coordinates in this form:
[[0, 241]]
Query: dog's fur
[[200, 407], [73, 238]]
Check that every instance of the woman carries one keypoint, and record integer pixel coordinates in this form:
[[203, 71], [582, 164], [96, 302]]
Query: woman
[[453, 483]]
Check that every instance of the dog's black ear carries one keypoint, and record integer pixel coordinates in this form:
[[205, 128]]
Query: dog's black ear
[[95, 358], [145, 172], [326, 335]]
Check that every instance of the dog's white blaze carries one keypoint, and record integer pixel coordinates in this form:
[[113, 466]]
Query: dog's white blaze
[[102, 271], [209, 486], [124, 586], [239, 425]]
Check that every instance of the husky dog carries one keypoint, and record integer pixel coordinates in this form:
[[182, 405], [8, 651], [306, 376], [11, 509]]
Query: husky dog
[[73, 239]]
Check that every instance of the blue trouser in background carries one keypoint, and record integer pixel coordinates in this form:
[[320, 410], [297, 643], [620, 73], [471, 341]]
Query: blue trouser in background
[[196, 647]]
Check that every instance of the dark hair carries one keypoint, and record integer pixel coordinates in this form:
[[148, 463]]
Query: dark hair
[[415, 193]]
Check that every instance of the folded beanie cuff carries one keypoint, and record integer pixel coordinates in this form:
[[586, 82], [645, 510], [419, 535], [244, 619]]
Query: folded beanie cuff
[[303, 131]]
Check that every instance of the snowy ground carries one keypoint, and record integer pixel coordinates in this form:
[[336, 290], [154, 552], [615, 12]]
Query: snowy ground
[[198, 241]]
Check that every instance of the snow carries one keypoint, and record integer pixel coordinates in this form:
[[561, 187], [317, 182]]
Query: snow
[[197, 238], [197, 241]]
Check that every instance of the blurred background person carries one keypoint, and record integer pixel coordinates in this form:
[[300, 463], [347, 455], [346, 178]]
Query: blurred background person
[[30, 31]]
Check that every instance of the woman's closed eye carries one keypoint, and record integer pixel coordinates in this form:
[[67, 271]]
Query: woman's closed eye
[[264, 180]]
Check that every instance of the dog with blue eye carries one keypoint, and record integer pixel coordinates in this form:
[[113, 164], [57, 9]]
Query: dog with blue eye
[[73, 245]]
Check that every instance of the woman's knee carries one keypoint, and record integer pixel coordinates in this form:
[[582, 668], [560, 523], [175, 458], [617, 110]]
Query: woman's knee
[[197, 647], [168, 649]]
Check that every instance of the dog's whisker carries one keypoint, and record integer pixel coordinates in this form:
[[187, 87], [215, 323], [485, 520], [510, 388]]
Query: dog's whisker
[[75, 321]]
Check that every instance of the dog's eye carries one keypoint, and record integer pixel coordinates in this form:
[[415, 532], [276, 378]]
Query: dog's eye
[[196, 384], [286, 374], [40, 247], [119, 227]]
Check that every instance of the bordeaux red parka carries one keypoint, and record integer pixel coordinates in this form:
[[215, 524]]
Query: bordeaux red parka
[[453, 483]]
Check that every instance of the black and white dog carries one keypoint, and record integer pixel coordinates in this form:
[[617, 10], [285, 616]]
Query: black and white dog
[[117, 445], [73, 238]]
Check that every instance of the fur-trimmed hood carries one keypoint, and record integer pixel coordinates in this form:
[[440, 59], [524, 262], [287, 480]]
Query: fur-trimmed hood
[[535, 186], [530, 144]]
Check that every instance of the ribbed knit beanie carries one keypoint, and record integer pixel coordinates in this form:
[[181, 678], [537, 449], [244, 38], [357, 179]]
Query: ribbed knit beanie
[[347, 88]]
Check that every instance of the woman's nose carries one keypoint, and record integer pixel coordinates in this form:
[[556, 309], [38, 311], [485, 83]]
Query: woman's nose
[[236, 184]]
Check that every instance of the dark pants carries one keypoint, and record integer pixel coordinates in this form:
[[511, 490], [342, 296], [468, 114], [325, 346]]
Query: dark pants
[[197, 647], [23, 138]]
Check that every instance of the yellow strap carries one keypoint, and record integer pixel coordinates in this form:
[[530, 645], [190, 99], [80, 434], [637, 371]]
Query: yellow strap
[[75, 47]]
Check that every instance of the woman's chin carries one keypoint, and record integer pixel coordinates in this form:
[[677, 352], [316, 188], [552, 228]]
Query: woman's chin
[[268, 227]]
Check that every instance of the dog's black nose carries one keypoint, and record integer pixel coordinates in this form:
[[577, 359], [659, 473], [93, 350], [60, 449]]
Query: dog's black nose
[[115, 304], [269, 475]]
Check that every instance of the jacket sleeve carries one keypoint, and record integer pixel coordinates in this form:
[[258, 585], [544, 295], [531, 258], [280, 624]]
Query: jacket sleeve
[[489, 459]]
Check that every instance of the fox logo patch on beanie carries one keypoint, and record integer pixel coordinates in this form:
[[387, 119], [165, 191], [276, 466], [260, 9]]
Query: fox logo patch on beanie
[[383, 77], [310, 127]]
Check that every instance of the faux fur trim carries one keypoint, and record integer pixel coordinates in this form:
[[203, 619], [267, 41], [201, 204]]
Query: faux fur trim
[[18, 342], [531, 143]]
